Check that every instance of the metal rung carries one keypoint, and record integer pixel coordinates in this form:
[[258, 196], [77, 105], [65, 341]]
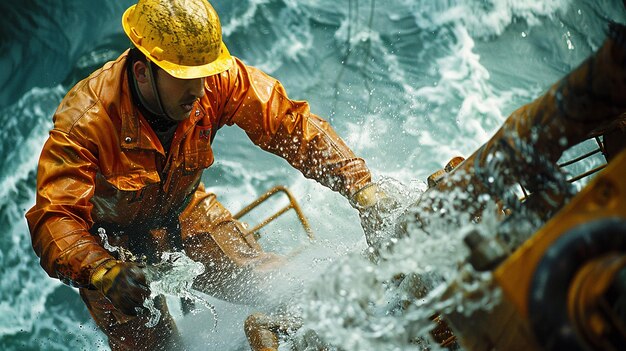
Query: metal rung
[[588, 173], [579, 158]]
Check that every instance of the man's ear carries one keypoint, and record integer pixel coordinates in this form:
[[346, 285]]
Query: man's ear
[[140, 70]]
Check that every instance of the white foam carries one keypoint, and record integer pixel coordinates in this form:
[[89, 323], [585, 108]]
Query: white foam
[[242, 23], [485, 18]]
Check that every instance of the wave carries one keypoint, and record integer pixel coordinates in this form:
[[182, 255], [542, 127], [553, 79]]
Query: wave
[[33, 307], [41, 41]]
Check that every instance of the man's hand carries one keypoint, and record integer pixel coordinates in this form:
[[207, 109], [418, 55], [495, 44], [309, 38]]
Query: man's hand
[[376, 211], [123, 283]]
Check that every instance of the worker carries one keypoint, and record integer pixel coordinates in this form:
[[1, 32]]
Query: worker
[[126, 155]]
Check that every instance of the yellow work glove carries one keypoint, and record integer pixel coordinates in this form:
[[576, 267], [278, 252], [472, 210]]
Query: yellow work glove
[[376, 209], [123, 283]]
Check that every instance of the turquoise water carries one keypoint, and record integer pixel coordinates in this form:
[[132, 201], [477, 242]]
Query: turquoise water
[[407, 83]]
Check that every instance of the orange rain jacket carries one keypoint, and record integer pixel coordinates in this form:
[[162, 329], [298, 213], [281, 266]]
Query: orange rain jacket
[[104, 164]]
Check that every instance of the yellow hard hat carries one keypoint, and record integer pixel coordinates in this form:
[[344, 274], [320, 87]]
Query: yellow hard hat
[[183, 37]]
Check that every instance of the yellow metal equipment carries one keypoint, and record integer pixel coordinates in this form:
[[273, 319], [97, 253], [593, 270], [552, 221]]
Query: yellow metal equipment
[[564, 288]]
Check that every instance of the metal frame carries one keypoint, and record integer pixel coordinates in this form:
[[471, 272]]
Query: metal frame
[[293, 204], [582, 157]]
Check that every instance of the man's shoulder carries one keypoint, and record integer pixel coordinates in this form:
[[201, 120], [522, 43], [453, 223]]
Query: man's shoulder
[[89, 100], [239, 76]]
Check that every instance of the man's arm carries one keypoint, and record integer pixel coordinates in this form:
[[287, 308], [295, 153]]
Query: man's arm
[[61, 217], [60, 220], [259, 105]]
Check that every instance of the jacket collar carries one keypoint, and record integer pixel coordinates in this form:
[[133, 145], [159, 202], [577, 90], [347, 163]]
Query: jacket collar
[[136, 132]]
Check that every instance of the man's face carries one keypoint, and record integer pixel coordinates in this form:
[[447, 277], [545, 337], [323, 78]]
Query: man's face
[[178, 95]]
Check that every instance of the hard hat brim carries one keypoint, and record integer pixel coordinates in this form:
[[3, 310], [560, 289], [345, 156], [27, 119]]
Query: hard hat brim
[[222, 63]]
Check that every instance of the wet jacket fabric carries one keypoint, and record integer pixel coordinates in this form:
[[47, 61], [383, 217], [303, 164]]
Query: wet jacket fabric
[[103, 164]]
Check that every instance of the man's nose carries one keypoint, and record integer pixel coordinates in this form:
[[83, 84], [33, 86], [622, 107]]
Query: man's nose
[[197, 87]]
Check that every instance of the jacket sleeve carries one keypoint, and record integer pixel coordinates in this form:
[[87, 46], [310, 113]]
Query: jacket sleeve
[[259, 105], [61, 217]]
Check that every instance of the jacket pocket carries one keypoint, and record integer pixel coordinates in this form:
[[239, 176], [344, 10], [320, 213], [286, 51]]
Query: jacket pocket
[[133, 181], [198, 153], [130, 170], [199, 160], [119, 199]]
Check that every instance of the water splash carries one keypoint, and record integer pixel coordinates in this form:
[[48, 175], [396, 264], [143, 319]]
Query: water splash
[[402, 197], [174, 277], [155, 314], [123, 254], [389, 304]]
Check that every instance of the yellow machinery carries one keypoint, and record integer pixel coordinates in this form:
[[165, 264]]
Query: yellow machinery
[[561, 280], [565, 287]]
